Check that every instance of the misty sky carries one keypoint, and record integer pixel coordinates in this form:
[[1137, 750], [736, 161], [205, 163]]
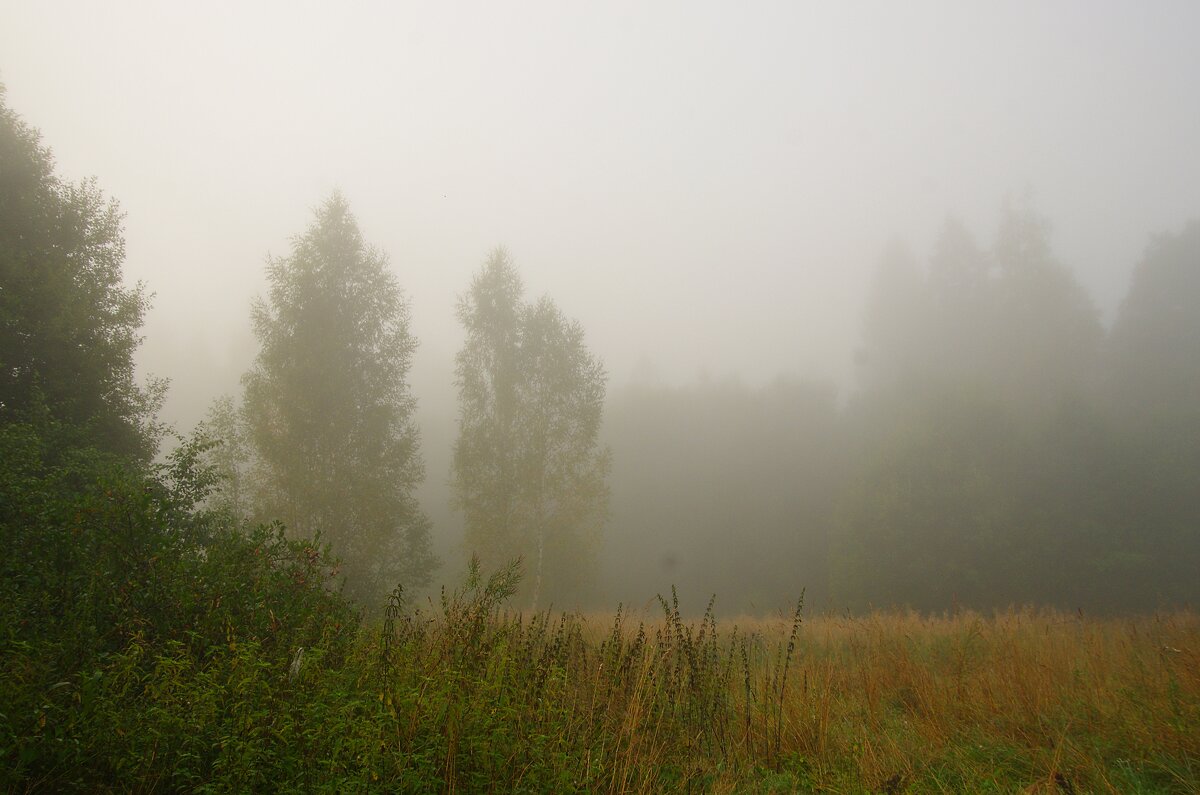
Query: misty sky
[[707, 187]]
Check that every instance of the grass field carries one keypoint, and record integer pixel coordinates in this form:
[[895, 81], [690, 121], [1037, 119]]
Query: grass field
[[1022, 700], [1017, 701], [463, 696]]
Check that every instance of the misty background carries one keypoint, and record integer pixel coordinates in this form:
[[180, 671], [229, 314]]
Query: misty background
[[709, 191]]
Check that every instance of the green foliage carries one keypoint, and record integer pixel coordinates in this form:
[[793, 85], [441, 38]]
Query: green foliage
[[229, 454], [68, 326], [528, 473], [123, 606], [329, 410]]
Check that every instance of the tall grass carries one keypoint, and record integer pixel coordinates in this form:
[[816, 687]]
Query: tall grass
[[462, 694], [1023, 699]]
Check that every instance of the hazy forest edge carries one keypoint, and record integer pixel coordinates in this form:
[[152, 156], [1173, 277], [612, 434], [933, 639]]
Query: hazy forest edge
[[254, 605]]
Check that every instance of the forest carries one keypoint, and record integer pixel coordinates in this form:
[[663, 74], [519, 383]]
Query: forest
[[975, 569], [1004, 447]]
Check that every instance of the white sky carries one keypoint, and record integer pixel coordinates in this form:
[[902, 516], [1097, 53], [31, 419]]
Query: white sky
[[705, 186]]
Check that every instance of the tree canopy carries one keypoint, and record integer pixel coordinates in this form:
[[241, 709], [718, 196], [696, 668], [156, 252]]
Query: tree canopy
[[1011, 319], [68, 324], [1159, 317], [329, 408], [528, 471]]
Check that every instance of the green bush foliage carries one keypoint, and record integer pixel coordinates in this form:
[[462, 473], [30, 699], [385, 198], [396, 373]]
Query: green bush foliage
[[122, 600]]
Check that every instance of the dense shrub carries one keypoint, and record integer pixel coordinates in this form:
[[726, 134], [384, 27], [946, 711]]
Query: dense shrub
[[118, 589]]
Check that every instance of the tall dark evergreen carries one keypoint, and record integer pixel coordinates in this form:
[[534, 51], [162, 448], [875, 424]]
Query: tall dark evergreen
[[68, 324], [1154, 349], [979, 465], [529, 473], [1012, 320], [1154, 395], [329, 408], [1048, 330]]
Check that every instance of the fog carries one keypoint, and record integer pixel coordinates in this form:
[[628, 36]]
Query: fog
[[708, 190]]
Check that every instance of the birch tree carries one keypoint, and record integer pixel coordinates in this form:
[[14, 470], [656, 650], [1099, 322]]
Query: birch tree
[[529, 473]]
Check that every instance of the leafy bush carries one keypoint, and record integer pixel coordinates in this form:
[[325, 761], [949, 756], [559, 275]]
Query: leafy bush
[[117, 589]]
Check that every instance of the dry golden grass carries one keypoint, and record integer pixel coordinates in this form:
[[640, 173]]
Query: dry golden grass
[[1036, 700]]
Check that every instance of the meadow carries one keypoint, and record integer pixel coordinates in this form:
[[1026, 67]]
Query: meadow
[[1021, 700], [460, 694]]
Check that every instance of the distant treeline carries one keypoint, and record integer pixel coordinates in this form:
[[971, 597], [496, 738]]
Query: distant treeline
[[1002, 447]]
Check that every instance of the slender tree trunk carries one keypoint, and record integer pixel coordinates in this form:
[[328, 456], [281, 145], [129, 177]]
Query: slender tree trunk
[[540, 531], [537, 579]]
